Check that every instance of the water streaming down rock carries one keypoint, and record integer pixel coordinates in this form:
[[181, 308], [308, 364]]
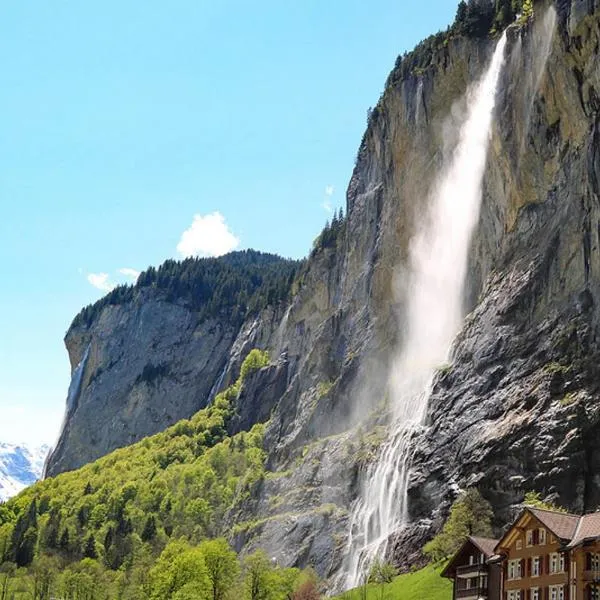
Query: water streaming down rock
[[72, 398], [438, 264]]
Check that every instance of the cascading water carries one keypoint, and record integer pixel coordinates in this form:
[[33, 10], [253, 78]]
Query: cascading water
[[72, 398], [438, 265]]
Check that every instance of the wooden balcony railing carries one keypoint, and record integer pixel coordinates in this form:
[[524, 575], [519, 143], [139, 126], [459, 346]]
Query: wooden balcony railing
[[474, 592]]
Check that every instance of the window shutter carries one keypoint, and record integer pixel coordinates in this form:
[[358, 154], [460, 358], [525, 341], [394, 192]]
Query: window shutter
[[536, 537], [529, 567], [523, 574], [547, 569], [541, 565]]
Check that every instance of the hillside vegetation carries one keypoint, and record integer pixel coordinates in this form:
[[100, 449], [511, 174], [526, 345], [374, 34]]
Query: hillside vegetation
[[425, 584], [142, 515]]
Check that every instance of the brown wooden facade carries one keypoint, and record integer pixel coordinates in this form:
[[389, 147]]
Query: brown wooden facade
[[548, 555], [472, 574]]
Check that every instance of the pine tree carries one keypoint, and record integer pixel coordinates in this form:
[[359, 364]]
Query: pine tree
[[149, 532], [89, 550]]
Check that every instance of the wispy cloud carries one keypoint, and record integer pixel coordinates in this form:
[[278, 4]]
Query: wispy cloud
[[329, 191], [130, 273], [101, 281], [208, 235]]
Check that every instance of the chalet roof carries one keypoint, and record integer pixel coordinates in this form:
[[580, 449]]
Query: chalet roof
[[588, 528], [484, 545], [562, 525]]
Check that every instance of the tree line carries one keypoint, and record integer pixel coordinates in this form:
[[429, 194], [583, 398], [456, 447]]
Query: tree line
[[231, 286]]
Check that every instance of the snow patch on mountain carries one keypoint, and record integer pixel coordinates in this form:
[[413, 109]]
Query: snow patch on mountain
[[20, 466]]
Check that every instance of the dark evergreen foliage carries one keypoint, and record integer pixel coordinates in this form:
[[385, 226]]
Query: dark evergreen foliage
[[231, 286], [332, 233]]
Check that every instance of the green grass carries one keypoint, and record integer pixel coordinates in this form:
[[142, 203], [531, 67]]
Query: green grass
[[426, 584]]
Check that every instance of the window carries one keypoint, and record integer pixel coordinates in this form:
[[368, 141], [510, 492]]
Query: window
[[535, 594], [542, 535], [594, 561], [514, 569], [514, 595], [471, 560], [529, 537], [593, 592], [557, 562], [557, 592], [519, 544], [535, 566]]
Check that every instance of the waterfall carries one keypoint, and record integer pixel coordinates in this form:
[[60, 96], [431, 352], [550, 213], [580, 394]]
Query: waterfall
[[438, 266], [72, 399]]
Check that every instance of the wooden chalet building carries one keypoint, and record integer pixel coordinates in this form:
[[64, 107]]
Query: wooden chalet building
[[473, 575], [544, 555]]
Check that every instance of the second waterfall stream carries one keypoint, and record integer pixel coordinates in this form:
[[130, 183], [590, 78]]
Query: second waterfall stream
[[434, 301]]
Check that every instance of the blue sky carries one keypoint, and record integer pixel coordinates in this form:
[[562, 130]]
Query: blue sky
[[126, 124]]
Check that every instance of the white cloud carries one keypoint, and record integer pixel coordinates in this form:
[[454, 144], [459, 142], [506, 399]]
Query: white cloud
[[130, 273], [207, 236], [329, 191], [101, 281]]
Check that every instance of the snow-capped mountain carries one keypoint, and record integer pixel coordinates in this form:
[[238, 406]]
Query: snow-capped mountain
[[20, 466]]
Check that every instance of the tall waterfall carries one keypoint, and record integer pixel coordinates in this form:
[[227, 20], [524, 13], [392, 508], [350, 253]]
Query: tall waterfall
[[72, 399], [438, 264]]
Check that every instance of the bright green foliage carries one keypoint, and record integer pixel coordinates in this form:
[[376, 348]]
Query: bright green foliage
[[231, 286], [221, 566], [256, 359], [526, 10], [177, 484], [426, 584], [137, 524], [470, 514], [180, 572], [534, 499], [382, 573]]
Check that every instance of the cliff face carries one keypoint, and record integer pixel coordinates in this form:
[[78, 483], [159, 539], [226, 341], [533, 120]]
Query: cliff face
[[515, 410], [150, 364]]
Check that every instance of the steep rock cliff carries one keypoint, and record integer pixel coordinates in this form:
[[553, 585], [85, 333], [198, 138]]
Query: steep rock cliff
[[515, 410]]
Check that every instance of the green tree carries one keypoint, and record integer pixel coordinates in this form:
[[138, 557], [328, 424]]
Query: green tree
[[89, 549], [382, 573], [470, 514], [257, 575], [534, 499], [149, 531], [43, 572], [222, 566], [181, 573], [7, 574]]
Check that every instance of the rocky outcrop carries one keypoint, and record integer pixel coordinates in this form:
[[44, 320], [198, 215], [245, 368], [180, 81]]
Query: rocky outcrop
[[517, 407], [151, 363]]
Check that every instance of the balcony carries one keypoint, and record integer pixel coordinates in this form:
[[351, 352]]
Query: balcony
[[474, 592], [468, 571]]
